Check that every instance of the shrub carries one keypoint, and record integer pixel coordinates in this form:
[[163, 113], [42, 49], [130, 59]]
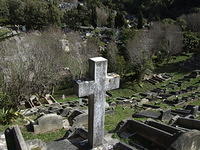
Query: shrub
[[192, 21], [37, 62], [191, 41], [8, 116], [5, 101]]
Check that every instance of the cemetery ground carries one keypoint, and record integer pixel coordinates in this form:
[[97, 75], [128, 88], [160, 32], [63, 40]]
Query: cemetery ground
[[132, 96]]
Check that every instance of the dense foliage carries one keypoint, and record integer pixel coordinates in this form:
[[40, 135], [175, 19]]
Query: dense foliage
[[134, 35]]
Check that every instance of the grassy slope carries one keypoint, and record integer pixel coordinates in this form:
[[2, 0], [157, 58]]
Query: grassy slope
[[128, 90]]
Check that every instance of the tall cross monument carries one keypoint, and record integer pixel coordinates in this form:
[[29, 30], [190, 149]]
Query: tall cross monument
[[96, 90]]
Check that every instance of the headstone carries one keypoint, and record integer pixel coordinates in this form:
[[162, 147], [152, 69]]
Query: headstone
[[50, 99], [78, 117], [187, 141], [96, 90], [61, 145], [123, 146], [34, 100], [147, 114], [188, 123], [160, 137], [14, 139], [48, 122], [166, 115], [66, 112]]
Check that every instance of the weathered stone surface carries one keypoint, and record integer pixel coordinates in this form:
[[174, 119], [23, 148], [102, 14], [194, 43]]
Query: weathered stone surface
[[143, 101], [187, 141], [194, 109], [151, 106], [157, 133], [73, 115], [166, 115], [66, 112], [48, 122], [2, 142], [14, 139], [61, 145], [36, 143], [147, 114], [188, 123], [66, 124], [96, 90], [123, 146]]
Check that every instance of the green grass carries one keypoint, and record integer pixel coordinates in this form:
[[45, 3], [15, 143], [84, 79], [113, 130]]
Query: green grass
[[46, 137], [128, 90], [121, 113]]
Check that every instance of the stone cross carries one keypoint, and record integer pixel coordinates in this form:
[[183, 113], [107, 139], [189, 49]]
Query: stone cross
[[96, 90]]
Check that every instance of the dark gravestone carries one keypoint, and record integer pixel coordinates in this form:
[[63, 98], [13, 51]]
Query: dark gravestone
[[14, 139], [166, 115], [181, 112], [73, 115], [160, 137], [151, 106], [162, 115], [123, 146], [61, 145], [147, 114], [65, 112], [194, 109], [188, 123]]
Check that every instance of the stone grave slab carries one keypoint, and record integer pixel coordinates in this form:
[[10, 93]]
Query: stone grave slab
[[147, 114], [48, 122], [61, 145], [188, 123], [14, 139]]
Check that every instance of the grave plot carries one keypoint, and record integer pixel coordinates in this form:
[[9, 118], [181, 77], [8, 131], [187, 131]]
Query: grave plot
[[154, 79], [171, 124], [154, 135]]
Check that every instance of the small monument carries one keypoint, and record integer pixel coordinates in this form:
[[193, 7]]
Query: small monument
[[96, 90]]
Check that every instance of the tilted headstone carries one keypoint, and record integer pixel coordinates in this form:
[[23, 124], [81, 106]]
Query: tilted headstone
[[48, 122], [96, 90], [14, 139]]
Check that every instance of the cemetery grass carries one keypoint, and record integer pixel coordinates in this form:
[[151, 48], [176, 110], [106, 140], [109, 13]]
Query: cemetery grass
[[129, 89], [46, 137]]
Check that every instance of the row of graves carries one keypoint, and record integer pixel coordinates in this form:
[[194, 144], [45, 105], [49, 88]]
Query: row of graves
[[170, 129]]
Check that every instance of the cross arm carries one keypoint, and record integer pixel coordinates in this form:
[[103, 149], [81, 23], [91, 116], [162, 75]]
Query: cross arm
[[84, 88], [112, 81]]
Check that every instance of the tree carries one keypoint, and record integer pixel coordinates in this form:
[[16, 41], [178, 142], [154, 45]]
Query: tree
[[33, 66], [139, 50], [35, 63], [16, 11], [120, 20], [4, 11], [54, 14], [102, 16], [140, 20], [36, 14], [192, 22]]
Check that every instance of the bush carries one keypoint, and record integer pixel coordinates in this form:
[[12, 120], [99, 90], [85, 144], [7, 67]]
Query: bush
[[191, 41], [5, 101], [192, 22], [8, 116], [42, 60]]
